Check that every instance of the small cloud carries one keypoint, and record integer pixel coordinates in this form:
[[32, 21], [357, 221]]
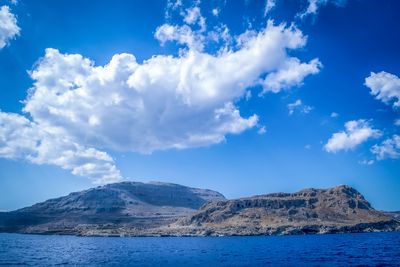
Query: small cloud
[[397, 122], [307, 109], [248, 95], [215, 12], [293, 106], [334, 115], [385, 87], [308, 147], [193, 16], [355, 133], [269, 4], [262, 130], [390, 148], [313, 6], [298, 105], [8, 26], [366, 162]]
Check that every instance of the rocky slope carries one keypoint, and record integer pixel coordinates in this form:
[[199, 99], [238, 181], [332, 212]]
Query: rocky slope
[[394, 214], [339, 209], [127, 204], [158, 209]]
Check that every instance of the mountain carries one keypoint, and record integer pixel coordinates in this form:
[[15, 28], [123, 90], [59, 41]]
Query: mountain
[[128, 204], [161, 209], [335, 210]]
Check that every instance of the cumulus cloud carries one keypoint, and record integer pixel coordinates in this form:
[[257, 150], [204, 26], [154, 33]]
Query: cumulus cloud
[[8, 26], [385, 87], [298, 105], [389, 148], [22, 139], [165, 102], [356, 132], [78, 109], [291, 73]]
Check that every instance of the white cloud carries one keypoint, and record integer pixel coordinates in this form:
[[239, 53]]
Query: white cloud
[[293, 105], [215, 12], [269, 5], [306, 109], [390, 148], [181, 34], [385, 87], [23, 139], [356, 132], [166, 102], [298, 105], [334, 115], [397, 122], [366, 162], [171, 7], [220, 34], [291, 73], [314, 5], [8, 26], [193, 16], [262, 130]]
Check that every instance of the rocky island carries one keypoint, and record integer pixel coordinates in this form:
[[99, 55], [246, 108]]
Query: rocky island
[[164, 209]]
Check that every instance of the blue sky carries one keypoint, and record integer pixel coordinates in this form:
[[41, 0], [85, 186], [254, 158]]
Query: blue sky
[[239, 100]]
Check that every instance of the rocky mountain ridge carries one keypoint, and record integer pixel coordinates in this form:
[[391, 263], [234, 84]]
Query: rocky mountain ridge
[[138, 205], [159, 209], [338, 209]]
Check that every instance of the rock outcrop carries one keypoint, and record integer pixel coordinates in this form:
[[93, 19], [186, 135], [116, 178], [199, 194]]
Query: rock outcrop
[[159, 209]]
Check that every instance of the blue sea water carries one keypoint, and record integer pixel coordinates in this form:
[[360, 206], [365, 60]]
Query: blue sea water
[[371, 249]]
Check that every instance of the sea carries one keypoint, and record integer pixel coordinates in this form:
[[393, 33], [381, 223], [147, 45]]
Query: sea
[[367, 249]]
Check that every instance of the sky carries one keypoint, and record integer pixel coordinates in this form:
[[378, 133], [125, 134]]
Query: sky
[[243, 97]]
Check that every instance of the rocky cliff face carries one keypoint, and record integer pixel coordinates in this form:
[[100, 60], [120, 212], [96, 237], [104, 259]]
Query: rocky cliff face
[[131, 204], [338, 209], [158, 209]]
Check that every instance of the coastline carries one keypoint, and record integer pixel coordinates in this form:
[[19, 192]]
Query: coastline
[[388, 226]]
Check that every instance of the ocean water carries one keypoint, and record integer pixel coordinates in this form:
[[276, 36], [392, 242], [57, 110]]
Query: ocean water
[[370, 249]]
